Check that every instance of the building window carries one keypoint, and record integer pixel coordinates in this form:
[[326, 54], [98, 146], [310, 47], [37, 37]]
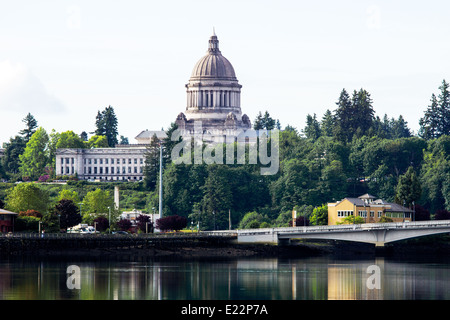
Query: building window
[[372, 214], [95, 170], [135, 169], [345, 213], [101, 170], [112, 170], [101, 161], [112, 161], [106, 170], [90, 170], [95, 161], [380, 213], [362, 213]]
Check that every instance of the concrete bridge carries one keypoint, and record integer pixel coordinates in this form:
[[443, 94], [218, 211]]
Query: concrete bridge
[[376, 233]]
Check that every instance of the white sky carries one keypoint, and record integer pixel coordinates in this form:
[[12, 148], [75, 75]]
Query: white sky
[[65, 60]]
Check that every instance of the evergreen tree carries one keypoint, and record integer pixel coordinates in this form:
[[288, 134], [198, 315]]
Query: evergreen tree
[[151, 168], [265, 122], [31, 125], [84, 136], [13, 149], [354, 116], [258, 124], [99, 124], [106, 125], [429, 124], [408, 189], [444, 109], [268, 122], [312, 129], [400, 128], [110, 121], [436, 119], [327, 124]]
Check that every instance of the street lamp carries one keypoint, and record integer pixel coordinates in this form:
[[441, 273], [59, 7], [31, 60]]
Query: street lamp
[[109, 219]]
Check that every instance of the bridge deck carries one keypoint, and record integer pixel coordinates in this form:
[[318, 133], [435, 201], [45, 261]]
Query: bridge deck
[[377, 233]]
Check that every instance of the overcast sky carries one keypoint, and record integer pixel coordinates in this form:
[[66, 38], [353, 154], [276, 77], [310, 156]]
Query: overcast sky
[[62, 61]]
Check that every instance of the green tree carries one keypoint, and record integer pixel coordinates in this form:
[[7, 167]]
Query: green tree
[[151, 168], [70, 139], [312, 129], [319, 215], [353, 116], [436, 119], [408, 189], [106, 124], [217, 197], [327, 124], [30, 127], [27, 196], [97, 142], [13, 149], [67, 194], [98, 201], [35, 156], [265, 122], [251, 220]]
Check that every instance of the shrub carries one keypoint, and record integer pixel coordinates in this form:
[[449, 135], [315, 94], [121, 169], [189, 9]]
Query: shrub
[[175, 222]]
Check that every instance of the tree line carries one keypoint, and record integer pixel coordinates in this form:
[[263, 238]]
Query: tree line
[[351, 151], [30, 155], [348, 152]]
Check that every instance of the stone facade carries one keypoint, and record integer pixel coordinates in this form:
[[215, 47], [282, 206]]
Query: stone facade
[[102, 164]]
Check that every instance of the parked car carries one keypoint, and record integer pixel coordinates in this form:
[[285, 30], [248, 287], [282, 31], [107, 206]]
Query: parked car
[[119, 232]]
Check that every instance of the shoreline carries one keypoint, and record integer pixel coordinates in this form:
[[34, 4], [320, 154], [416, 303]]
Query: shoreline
[[431, 246]]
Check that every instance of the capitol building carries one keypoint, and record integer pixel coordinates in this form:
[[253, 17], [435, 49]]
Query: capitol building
[[213, 110]]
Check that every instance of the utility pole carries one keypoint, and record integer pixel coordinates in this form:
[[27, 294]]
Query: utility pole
[[160, 179]]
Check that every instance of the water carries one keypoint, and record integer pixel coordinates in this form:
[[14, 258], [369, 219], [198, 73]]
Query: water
[[315, 278]]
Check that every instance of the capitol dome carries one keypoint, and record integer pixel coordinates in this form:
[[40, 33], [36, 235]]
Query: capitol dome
[[213, 65], [213, 96]]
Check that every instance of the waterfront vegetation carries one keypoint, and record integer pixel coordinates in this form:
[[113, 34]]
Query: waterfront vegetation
[[349, 152]]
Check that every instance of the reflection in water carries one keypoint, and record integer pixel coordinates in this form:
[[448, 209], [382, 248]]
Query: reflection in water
[[250, 279]]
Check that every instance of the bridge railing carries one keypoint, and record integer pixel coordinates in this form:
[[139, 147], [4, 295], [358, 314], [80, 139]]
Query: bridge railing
[[347, 227]]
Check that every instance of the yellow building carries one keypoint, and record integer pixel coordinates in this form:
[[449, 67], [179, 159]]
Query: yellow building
[[367, 207]]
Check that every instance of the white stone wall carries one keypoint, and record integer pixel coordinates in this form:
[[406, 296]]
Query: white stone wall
[[105, 164]]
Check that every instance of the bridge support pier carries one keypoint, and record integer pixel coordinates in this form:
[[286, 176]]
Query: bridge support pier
[[284, 242]]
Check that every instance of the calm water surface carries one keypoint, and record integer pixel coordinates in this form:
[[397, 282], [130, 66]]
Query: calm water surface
[[318, 278]]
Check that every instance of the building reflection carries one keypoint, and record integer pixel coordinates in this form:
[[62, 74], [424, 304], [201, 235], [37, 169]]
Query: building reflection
[[242, 279]]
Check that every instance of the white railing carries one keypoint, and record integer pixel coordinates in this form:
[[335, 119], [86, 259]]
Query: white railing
[[348, 227]]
